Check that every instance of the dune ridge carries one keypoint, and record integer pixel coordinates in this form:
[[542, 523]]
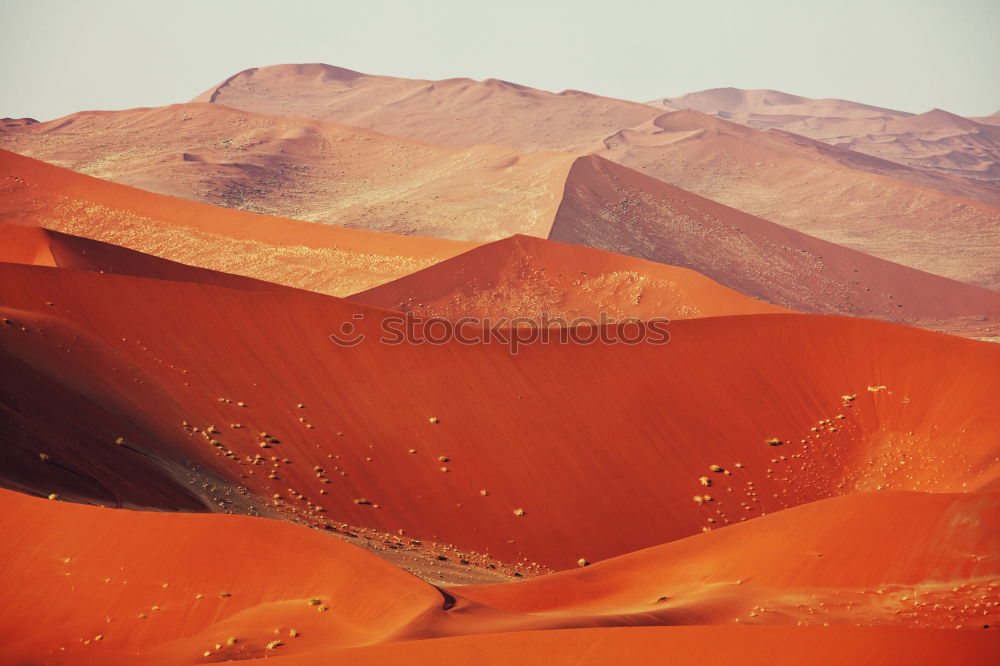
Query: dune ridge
[[935, 140], [318, 257]]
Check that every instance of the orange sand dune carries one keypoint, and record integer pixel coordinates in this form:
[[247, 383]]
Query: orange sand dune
[[307, 170], [748, 646], [101, 586], [42, 247], [537, 431], [603, 206], [523, 276], [96, 585], [936, 140], [318, 257], [613, 208], [883, 208], [836, 561]]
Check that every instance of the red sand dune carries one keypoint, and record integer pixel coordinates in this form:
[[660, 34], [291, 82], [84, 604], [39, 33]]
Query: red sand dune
[[835, 561], [38, 246], [745, 485], [318, 257], [890, 210], [748, 646], [935, 140], [307, 170], [613, 208], [603, 205], [538, 431], [165, 588], [523, 276], [96, 585]]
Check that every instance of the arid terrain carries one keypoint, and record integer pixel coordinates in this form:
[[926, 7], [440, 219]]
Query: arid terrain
[[328, 367]]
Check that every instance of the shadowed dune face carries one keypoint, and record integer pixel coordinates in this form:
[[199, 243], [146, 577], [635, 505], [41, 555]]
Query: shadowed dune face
[[645, 423], [613, 208], [874, 206], [525, 277], [936, 140], [319, 257], [308, 170]]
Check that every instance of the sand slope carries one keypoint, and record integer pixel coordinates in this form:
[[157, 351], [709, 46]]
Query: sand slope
[[872, 205], [893, 211], [318, 257], [307, 170], [524, 277], [119, 586], [613, 208], [644, 422], [456, 112], [935, 140], [43, 247]]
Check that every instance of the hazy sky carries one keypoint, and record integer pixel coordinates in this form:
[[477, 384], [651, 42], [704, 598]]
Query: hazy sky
[[62, 56]]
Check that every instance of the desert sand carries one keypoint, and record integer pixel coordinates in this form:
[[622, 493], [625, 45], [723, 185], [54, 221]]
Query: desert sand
[[318, 257], [233, 435], [935, 140], [895, 211]]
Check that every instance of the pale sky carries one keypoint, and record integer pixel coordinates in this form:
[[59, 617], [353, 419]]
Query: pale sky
[[61, 56]]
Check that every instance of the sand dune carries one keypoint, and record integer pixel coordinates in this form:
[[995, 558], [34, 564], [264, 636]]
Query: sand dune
[[873, 205], [844, 197], [38, 246], [455, 112], [208, 454], [318, 257], [102, 586], [307, 170], [601, 205], [935, 140], [645, 422], [116, 586], [751, 646], [613, 208], [525, 277], [833, 561]]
